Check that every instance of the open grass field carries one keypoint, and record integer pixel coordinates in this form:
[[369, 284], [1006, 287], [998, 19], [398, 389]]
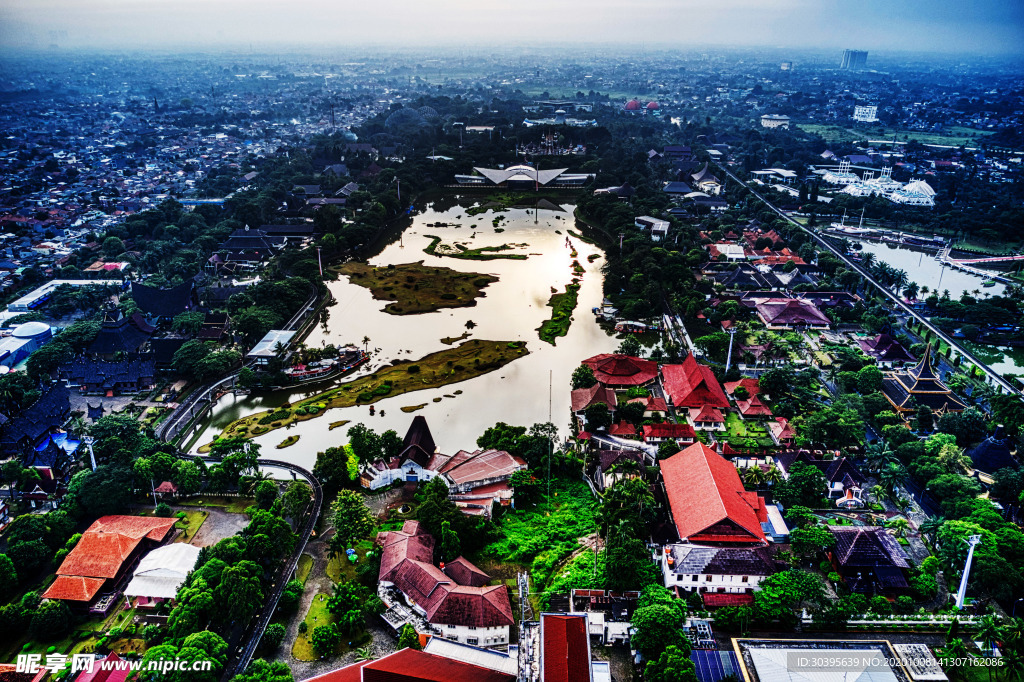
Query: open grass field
[[302, 648], [232, 505], [339, 569], [452, 365], [953, 136], [415, 288]]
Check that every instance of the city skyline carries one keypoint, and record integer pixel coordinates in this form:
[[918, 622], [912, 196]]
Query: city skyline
[[990, 27]]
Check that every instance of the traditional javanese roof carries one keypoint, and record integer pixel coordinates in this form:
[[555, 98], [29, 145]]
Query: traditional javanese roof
[[622, 370], [920, 385], [692, 384]]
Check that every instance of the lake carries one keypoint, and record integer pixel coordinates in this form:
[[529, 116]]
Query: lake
[[511, 310], [922, 268]]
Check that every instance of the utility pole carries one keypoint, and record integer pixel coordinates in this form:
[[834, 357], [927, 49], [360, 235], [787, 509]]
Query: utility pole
[[320, 263], [973, 541], [551, 445]]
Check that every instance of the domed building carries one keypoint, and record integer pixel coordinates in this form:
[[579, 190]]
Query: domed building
[[633, 105], [653, 106], [23, 341]]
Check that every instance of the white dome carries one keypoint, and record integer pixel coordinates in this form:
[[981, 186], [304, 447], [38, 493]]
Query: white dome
[[31, 330]]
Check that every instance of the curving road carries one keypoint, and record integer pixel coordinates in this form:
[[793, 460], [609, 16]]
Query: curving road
[[243, 656], [1002, 384]]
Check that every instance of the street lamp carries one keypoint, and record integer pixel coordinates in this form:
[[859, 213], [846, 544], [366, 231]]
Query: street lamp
[[973, 541]]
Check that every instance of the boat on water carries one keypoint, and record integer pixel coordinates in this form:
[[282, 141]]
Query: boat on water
[[349, 359], [988, 283]]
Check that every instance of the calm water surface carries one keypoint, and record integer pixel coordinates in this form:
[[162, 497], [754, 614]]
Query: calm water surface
[[922, 268], [511, 310]]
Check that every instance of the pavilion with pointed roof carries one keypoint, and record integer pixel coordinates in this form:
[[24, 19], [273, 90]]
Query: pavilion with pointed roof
[[909, 389], [622, 371]]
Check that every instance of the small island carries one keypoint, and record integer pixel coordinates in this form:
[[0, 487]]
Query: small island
[[415, 288], [435, 248], [466, 361], [562, 306]]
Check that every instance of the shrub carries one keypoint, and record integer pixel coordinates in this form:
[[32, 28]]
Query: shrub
[[163, 510], [413, 369], [303, 627], [835, 577], [448, 297]]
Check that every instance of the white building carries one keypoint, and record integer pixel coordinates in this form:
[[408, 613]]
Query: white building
[[162, 571], [774, 121], [841, 175], [718, 570], [915, 193], [865, 114], [658, 228]]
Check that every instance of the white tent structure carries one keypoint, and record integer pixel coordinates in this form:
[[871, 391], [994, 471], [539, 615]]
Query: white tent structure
[[162, 571]]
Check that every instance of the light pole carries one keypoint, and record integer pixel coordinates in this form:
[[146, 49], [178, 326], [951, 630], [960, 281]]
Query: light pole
[[399, 183], [728, 359], [319, 262], [973, 541]]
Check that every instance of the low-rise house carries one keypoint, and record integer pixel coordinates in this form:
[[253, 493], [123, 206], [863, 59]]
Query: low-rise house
[[707, 418], [616, 465], [782, 431], [869, 559], [788, 313], [608, 613], [582, 398], [844, 481], [667, 431], [475, 614], [753, 408], [654, 407], [658, 228], [716, 570]]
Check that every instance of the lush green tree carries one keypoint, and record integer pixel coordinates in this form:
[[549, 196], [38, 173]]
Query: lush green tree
[[869, 379], [628, 564], [674, 665], [628, 507], [365, 443], [968, 427], [265, 494], [263, 671], [331, 469], [809, 540], [42, 363], [629, 346], [597, 416], [290, 596], [526, 486], [240, 591], [353, 520], [805, 486], [187, 476], [451, 548], [408, 639], [658, 620], [296, 499], [325, 638], [583, 377], [51, 620], [272, 637], [8, 578], [781, 595], [836, 427]]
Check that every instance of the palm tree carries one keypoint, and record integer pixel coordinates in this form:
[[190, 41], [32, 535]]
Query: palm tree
[[366, 343], [899, 525], [773, 476], [931, 526], [753, 477], [257, 478], [990, 631], [1012, 665], [880, 456], [892, 475], [867, 260], [879, 493]]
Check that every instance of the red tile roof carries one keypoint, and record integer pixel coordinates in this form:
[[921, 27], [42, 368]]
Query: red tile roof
[[707, 498], [622, 370], [692, 384], [406, 561], [753, 407], [98, 674], [624, 429], [582, 398], [74, 588], [410, 665], [565, 652], [707, 413], [714, 600], [466, 467], [668, 430], [790, 311], [103, 550], [753, 386]]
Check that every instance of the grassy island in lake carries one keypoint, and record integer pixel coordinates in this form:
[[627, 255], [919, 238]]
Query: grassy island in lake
[[416, 288], [562, 306], [449, 366]]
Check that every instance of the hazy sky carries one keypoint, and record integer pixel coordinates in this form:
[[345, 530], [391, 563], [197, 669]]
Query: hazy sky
[[968, 26]]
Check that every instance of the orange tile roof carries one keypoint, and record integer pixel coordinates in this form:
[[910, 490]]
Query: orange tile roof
[[74, 588], [707, 498], [109, 542]]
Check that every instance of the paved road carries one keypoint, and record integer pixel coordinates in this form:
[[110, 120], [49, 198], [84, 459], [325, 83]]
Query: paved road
[[1002, 384]]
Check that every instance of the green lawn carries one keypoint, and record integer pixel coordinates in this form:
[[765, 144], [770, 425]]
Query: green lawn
[[191, 524], [304, 567], [340, 569], [232, 505], [954, 135], [740, 432], [318, 614]]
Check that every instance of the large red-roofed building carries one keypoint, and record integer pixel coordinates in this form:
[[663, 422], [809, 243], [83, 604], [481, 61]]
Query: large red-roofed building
[[692, 384], [622, 371], [103, 558], [708, 502], [410, 665], [565, 648]]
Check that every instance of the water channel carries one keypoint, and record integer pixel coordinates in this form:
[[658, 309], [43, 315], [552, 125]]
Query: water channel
[[921, 267], [511, 310]]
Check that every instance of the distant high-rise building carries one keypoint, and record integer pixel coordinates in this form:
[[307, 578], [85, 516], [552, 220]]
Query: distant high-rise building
[[854, 59], [786, 66]]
